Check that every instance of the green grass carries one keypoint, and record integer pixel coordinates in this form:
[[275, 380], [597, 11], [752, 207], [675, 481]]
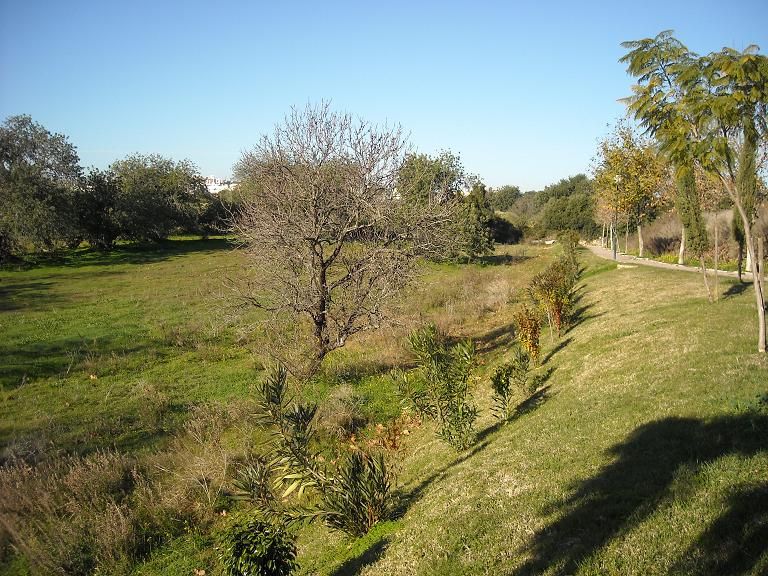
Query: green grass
[[646, 451]]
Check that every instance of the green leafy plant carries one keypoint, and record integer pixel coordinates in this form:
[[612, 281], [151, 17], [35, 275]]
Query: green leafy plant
[[351, 496], [509, 381], [252, 547], [439, 387]]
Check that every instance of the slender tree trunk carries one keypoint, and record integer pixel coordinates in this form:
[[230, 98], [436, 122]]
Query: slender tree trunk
[[626, 238], [748, 266], [681, 254], [758, 286], [703, 266], [614, 240], [717, 257], [640, 245], [602, 236], [760, 268], [740, 260]]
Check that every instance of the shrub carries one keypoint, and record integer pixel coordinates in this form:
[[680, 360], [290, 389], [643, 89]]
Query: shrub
[[252, 547], [552, 290], [439, 387], [528, 329], [510, 380], [352, 497]]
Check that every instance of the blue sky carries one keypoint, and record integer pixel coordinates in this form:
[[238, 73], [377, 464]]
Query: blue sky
[[521, 90]]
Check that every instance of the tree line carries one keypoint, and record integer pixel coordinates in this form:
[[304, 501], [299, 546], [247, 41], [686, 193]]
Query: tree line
[[48, 201]]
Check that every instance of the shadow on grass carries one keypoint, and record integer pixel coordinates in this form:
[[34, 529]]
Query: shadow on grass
[[627, 491], [560, 345], [496, 338], [25, 295], [137, 253], [736, 289], [502, 259], [369, 556], [57, 358]]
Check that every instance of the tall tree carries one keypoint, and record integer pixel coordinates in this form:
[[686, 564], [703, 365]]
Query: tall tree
[[709, 110], [329, 237], [503, 199], [476, 234], [39, 174], [158, 196]]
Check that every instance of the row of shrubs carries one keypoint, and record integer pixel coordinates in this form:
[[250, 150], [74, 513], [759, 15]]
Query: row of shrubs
[[354, 491]]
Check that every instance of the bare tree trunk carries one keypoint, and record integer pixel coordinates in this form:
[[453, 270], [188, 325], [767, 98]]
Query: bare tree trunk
[[614, 240], [626, 238], [703, 266], [760, 268], [640, 240], [681, 254], [602, 236], [758, 286], [717, 251]]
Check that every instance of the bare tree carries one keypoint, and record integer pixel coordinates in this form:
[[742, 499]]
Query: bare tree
[[329, 238]]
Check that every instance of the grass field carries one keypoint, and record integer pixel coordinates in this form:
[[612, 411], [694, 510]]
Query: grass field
[[646, 451]]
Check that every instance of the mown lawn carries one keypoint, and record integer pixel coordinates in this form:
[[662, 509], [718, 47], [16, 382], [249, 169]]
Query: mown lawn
[[646, 451]]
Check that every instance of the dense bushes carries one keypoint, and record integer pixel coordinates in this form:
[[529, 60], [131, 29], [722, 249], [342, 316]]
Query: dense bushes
[[251, 547], [47, 201]]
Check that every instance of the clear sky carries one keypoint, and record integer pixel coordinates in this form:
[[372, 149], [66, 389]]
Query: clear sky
[[521, 90]]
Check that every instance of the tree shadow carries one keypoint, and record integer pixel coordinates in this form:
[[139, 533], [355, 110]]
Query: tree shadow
[[370, 555], [21, 295], [736, 289], [496, 338], [736, 541], [624, 493], [45, 359], [502, 259], [560, 345], [135, 253]]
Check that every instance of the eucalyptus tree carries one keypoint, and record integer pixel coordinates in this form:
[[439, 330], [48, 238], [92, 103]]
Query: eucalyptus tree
[[709, 110]]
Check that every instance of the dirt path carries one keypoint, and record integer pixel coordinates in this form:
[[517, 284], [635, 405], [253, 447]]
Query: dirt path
[[632, 260]]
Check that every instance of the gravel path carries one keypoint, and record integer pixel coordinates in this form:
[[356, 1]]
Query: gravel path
[[627, 259]]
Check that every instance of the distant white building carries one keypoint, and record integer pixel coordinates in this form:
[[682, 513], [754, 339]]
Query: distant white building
[[216, 185]]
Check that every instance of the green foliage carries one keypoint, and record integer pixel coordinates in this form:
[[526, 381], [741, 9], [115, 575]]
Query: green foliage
[[97, 211], [568, 205], [439, 387], [358, 496], [158, 196], [352, 497], [505, 232], [477, 239], [39, 174], [425, 179], [510, 381], [251, 547], [503, 199], [689, 207]]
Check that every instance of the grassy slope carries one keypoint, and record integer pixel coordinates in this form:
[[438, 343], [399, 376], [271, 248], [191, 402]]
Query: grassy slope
[[641, 455]]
